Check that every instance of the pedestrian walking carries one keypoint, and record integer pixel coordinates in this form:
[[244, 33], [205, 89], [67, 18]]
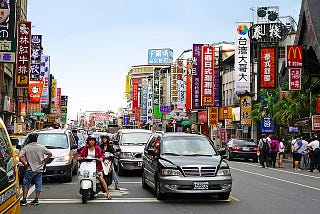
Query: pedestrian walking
[[33, 157], [304, 164], [314, 148], [274, 149], [297, 153], [281, 152], [264, 148]]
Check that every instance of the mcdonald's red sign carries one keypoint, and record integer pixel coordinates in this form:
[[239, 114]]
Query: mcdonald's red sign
[[294, 56]]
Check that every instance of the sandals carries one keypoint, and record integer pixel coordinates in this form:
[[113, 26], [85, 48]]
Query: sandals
[[108, 196]]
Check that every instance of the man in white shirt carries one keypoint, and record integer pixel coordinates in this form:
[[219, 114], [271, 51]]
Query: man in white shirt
[[314, 154]]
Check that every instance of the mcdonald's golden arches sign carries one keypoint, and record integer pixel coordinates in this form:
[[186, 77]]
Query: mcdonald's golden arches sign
[[294, 56]]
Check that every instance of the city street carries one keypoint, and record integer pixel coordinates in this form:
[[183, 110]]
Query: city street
[[255, 190]]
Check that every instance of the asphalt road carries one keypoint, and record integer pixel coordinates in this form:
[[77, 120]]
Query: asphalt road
[[255, 190]]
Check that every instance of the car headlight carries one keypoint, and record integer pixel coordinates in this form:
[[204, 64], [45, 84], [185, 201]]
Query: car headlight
[[65, 158], [126, 155], [170, 172], [224, 172]]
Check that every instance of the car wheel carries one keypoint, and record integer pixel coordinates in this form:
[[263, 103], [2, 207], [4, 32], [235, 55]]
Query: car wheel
[[143, 180], [68, 177], [224, 196], [159, 195]]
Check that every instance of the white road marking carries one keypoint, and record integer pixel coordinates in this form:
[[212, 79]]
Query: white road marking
[[118, 200], [278, 179], [281, 170]]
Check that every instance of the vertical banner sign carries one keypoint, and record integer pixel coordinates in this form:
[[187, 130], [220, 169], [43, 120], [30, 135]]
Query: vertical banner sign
[[156, 93], [35, 90], [242, 58], [127, 89], [181, 82], [35, 66], [64, 104], [202, 117], [245, 110], [58, 103], [135, 97], [294, 79], [188, 84], [23, 54], [196, 76], [294, 56], [7, 19], [267, 67], [150, 105], [213, 116], [315, 120], [173, 85], [207, 76], [53, 109], [144, 99], [318, 105], [216, 87], [45, 74]]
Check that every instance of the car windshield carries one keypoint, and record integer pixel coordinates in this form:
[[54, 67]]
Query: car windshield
[[53, 141], [136, 138], [183, 145]]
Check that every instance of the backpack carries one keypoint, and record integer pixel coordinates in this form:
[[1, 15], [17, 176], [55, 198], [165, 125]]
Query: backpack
[[265, 145]]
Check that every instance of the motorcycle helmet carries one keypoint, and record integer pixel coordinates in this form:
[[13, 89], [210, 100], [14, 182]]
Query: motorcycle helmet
[[92, 137]]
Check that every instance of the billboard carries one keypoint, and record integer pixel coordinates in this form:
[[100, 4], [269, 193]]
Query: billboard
[[294, 56], [160, 56], [207, 76], [242, 58], [267, 67]]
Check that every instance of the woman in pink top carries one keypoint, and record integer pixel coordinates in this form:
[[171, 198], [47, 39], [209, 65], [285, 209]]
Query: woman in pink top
[[274, 149]]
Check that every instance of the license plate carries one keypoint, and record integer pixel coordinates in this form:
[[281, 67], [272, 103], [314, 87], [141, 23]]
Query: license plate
[[140, 164], [246, 149], [198, 185]]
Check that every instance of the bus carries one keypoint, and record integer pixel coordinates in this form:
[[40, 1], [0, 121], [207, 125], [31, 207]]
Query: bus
[[9, 182]]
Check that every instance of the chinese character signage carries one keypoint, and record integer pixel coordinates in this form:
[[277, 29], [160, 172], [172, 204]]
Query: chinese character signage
[[318, 105], [173, 85], [245, 110], [156, 93], [295, 79], [270, 32], [225, 112], [196, 76], [242, 58], [135, 95], [35, 90], [160, 56], [266, 125], [294, 56], [8, 50], [45, 74], [7, 19], [36, 52], [144, 98], [315, 122], [207, 76], [213, 116], [267, 67], [188, 84], [23, 54], [202, 117], [64, 104]]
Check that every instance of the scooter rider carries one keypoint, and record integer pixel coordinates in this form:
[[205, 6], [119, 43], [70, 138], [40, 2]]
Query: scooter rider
[[94, 151], [106, 147]]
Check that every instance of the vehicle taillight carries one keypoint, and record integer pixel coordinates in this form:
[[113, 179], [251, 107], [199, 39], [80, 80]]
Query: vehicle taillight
[[235, 148], [255, 149]]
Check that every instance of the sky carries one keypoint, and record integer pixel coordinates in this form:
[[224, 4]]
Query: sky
[[93, 43]]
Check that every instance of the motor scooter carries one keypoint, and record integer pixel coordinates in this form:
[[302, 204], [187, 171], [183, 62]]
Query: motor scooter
[[89, 184]]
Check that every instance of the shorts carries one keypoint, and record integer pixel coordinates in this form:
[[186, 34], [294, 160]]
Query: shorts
[[297, 157], [36, 177]]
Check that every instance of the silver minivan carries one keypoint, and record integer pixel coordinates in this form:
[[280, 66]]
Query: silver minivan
[[63, 146]]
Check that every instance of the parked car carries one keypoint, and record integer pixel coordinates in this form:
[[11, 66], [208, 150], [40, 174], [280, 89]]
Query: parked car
[[129, 144], [184, 163], [237, 148], [63, 146]]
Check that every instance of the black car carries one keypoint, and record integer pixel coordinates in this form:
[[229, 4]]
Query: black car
[[184, 163], [237, 148]]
